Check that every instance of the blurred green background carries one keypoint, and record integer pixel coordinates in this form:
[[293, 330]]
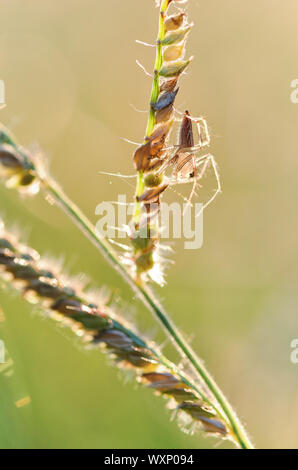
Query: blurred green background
[[70, 75]]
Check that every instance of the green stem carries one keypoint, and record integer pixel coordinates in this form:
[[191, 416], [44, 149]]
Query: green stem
[[233, 421], [147, 297], [153, 99], [235, 425], [157, 67], [156, 353]]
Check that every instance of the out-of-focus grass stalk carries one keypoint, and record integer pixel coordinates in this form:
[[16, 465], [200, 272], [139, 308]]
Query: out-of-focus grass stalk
[[145, 294], [96, 322]]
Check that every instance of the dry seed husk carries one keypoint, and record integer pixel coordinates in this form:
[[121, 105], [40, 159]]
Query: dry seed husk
[[10, 159], [174, 22], [49, 288], [154, 164], [157, 139], [206, 416], [174, 37], [151, 148], [159, 133], [172, 53], [180, 394], [142, 156], [161, 380], [164, 114], [168, 85], [172, 69], [7, 257], [152, 195], [164, 100]]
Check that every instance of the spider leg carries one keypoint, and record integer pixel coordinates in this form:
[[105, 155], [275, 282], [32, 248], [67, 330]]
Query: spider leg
[[193, 186], [203, 131], [170, 159], [205, 160], [197, 176], [183, 161], [211, 159]]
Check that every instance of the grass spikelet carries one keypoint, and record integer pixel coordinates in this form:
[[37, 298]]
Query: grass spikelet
[[153, 157], [98, 325], [16, 165], [43, 284]]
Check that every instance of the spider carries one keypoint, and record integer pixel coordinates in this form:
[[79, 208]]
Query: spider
[[183, 159]]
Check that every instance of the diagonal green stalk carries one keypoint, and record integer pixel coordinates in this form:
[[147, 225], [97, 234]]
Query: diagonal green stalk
[[146, 294], [153, 99], [147, 297], [116, 322]]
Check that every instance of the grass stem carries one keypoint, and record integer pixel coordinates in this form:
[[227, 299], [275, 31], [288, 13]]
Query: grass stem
[[147, 297]]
